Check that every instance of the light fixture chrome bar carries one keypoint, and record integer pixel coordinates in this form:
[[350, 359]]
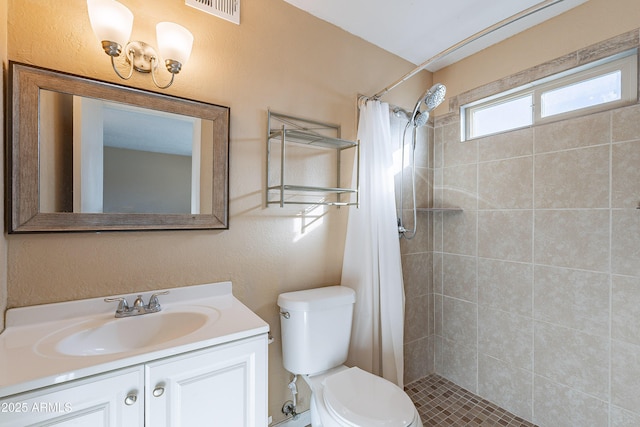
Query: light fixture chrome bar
[[113, 65], [513, 18], [153, 74]]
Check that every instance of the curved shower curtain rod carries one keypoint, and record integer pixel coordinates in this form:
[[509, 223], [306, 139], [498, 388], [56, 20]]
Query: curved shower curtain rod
[[513, 18]]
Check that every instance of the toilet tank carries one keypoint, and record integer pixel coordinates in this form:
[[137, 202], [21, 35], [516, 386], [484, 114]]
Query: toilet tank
[[316, 328]]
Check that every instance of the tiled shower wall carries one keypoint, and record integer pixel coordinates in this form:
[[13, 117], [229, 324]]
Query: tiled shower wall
[[417, 258], [537, 280]]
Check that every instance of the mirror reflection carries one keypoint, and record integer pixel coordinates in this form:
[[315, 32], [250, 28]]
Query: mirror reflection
[[105, 157]]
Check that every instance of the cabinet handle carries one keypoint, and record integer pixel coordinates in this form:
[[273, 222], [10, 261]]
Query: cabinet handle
[[130, 399], [158, 391]]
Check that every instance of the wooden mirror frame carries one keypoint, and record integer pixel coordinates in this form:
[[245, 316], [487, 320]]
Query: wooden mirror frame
[[22, 154]]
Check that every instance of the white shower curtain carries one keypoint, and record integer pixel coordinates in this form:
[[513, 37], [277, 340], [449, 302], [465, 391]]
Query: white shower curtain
[[372, 265]]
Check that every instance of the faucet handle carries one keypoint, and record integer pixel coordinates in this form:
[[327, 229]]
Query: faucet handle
[[154, 304], [139, 302], [123, 306]]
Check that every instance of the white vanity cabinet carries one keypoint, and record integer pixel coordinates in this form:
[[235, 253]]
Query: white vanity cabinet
[[223, 386], [201, 361], [113, 399]]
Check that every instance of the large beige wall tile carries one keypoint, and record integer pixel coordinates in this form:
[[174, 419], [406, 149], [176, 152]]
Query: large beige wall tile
[[506, 286], [572, 298], [556, 405], [416, 271], [573, 358], [424, 136], [506, 184], [456, 152], [423, 184], [418, 359], [506, 145], [430, 314], [460, 187], [416, 318], [625, 309], [437, 314], [505, 235], [438, 188], [509, 387], [457, 362], [572, 238], [437, 272], [625, 175], [459, 232], [460, 321], [579, 132], [506, 336], [450, 133], [573, 179], [625, 246], [625, 124], [459, 277], [438, 231], [623, 418], [423, 240], [625, 375], [438, 146]]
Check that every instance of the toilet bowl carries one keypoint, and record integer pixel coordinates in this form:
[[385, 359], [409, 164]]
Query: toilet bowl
[[316, 328], [352, 397]]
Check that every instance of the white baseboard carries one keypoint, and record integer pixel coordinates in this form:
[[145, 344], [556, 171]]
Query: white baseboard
[[302, 420]]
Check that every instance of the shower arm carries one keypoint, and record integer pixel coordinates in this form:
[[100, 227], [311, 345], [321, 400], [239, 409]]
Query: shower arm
[[513, 18]]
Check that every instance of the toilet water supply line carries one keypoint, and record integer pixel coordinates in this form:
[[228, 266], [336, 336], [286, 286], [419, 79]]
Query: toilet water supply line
[[294, 391], [291, 408]]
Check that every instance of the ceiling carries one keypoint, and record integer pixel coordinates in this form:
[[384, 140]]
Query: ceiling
[[418, 30], [142, 129]]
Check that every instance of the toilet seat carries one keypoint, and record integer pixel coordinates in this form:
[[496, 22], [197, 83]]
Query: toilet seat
[[357, 398]]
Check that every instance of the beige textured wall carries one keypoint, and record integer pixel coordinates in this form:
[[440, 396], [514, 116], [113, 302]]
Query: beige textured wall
[[3, 240], [278, 58], [582, 26]]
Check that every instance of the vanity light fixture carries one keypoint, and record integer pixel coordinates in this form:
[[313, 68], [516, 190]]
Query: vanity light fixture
[[112, 22]]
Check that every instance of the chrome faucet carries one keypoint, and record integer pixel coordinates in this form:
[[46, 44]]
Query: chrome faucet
[[139, 306]]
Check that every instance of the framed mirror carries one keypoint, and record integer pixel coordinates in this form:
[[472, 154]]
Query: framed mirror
[[86, 155]]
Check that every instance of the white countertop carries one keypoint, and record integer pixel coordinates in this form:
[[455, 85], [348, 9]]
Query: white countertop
[[24, 367]]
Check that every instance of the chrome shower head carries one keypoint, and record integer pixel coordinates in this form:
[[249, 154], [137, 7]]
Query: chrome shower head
[[400, 113], [431, 99], [421, 119], [434, 96]]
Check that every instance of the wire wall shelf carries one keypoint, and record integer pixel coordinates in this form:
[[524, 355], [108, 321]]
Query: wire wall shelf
[[285, 130]]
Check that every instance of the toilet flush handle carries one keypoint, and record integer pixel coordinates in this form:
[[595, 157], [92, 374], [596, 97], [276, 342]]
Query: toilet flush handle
[[285, 314]]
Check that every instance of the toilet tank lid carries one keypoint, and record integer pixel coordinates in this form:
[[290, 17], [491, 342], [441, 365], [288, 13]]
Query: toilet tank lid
[[318, 298]]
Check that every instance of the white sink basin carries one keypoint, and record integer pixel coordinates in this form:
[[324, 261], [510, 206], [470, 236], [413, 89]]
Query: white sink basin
[[110, 335]]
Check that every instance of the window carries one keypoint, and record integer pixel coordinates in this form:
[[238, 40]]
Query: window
[[503, 115], [604, 84], [584, 94]]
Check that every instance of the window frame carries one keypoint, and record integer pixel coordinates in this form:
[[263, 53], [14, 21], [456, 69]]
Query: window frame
[[625, 62]]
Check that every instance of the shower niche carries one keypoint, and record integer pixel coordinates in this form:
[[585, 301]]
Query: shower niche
[[309, 164]]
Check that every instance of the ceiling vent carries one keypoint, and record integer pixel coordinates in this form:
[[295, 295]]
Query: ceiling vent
[[225, 9]]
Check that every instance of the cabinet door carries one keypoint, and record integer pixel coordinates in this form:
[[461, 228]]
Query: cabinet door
[[223, 386], [114, 400]]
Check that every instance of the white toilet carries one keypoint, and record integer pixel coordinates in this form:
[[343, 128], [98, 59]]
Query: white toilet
[[316, 328]]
